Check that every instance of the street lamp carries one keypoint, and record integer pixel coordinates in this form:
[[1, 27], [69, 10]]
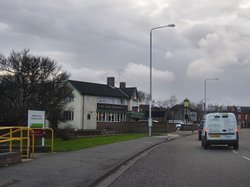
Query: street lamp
[[150, 101], [205, 93]]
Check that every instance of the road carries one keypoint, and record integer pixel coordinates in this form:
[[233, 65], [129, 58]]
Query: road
[[183, 162]]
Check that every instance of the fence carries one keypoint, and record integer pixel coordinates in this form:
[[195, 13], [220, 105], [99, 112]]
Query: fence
[[22, 139]]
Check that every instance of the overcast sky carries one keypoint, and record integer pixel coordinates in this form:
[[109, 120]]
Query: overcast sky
[[94, 39]]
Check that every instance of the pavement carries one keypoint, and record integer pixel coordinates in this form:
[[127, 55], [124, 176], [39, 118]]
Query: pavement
[[86, 167]]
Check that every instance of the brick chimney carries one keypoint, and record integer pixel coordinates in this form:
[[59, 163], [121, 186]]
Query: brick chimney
[[122, 85], [111, 81]]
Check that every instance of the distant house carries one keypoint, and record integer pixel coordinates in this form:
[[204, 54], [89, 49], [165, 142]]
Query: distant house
[[96, 103], [157, 113], [178, 112], [242, 114]]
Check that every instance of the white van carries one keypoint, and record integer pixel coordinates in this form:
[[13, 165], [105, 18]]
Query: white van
[[220, 128]]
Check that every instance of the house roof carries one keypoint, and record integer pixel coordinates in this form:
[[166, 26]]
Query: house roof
[[129, 91], [243, 109], [176, 107], [87, 88], [179, 107]]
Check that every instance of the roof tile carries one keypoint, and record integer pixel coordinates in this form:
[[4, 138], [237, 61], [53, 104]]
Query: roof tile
[[87, 88]]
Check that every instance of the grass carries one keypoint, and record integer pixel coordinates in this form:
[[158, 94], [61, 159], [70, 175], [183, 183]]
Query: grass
[[87, 142]]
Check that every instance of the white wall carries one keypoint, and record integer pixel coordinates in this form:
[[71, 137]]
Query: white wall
[[132, 103], [90, 107], [84, 106], [77, 106]]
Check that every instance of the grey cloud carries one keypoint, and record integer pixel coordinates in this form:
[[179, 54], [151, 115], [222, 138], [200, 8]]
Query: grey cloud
[[93, 39]]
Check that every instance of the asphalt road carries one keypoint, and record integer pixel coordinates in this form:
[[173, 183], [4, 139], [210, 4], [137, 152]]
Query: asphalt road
[[182, 162], [77, 168]]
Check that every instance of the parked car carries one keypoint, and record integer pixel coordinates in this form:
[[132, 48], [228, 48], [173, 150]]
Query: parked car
[[178, 126], [175, 121], [200, 127], [220, 128]]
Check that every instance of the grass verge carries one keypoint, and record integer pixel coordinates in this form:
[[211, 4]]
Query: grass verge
[[87, 142]]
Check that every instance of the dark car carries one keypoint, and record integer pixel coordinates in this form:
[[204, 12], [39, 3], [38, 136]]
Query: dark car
[[200, 127]]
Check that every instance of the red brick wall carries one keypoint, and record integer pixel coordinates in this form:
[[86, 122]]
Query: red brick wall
[[135, 127]]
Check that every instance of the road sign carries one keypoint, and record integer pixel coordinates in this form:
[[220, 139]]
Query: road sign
[[36, 119]]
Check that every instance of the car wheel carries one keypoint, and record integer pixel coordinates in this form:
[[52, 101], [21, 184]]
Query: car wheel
[[236, 146], [199, 137], [204, 145]]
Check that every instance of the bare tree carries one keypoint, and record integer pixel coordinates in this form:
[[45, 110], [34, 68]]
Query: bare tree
[[31, 82], [169, 102], [143, 97]]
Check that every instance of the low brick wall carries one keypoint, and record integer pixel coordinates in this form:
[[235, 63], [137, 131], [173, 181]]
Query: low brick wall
[[189, 127], [10, 158], [135, 127]]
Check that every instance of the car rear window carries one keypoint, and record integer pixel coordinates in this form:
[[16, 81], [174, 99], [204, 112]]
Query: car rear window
[[224, 116], [218, 120], [213, 118]]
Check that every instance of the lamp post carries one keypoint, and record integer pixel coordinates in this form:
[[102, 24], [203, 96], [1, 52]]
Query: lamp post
[[205, 93], [150, 101]]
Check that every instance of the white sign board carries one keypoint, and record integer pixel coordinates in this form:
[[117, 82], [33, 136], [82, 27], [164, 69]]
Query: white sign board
[[36, 119]]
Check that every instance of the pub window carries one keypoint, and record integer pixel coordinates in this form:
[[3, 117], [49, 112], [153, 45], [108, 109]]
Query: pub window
[[97, 116], [119, 117], [109, 117], [68, 115], [88, 99], [101, 116], [112, 116], [89, 117]]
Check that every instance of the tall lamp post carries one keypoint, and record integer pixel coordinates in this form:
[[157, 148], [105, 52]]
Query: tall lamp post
[[205, 93], [150, 101]]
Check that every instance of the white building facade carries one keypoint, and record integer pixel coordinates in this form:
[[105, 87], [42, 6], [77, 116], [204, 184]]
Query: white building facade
[[95, 103]]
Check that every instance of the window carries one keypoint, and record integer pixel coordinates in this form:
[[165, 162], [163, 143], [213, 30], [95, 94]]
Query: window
[[88, 99], [89, 116], [101, 116], [68, 115], [110, 117], [111, 100], [239, 116]]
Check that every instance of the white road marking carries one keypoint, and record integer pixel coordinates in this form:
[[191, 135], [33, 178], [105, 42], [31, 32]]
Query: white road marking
[[241, 156], [235, 151], [246, 158]]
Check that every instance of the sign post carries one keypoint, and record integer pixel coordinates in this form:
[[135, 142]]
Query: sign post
[[186, 106], [36, 119]]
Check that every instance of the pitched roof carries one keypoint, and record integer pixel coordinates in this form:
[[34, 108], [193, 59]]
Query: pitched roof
[[179, 107], [129, 91], [176, 107], [243, 109], [87, 88]]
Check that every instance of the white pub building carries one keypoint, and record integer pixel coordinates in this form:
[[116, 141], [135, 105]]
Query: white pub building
[[100, 103]]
